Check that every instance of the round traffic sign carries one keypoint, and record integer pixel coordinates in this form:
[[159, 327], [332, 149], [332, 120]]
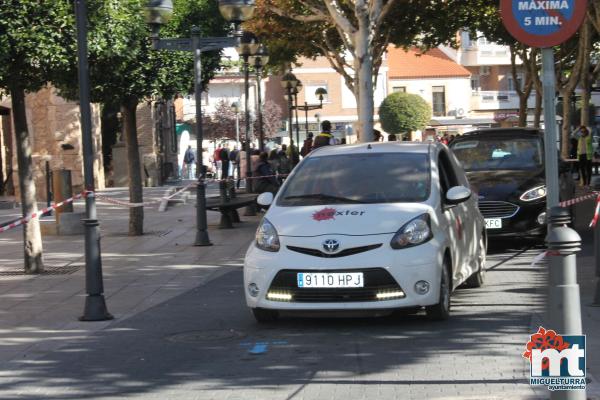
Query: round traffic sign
[[542, 23]]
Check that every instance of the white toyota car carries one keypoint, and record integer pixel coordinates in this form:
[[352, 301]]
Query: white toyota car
[[377, 226]]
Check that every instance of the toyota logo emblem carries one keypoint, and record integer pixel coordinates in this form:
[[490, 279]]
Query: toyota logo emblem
[[331, 245]]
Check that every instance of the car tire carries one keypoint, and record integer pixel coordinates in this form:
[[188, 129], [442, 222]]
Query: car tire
[[263, 316], [441, 310], [478, 278]]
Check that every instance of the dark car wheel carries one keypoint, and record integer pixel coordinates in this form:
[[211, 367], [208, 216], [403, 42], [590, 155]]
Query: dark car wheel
[[441, 310], [263, 315], [478, 278]]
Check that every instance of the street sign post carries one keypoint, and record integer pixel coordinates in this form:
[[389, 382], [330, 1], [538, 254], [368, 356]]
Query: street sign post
[[544, 24]]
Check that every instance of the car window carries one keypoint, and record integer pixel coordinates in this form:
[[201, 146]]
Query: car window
[[491, 153], [448, 177], [358, 178]]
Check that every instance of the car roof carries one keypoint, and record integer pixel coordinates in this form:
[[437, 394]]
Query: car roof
[[375, 147], [516, 131]]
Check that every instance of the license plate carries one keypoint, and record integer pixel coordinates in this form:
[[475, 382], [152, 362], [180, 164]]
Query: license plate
[[493, 223], [330, 280]]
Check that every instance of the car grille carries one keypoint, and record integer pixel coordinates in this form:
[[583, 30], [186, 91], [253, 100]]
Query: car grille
[[377, 280], [343, 253], [497, 209]]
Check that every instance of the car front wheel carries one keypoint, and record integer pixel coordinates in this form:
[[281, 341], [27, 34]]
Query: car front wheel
[[441, 310]]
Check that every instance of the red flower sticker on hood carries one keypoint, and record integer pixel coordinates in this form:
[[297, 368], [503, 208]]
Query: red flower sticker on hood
[[324, 214]]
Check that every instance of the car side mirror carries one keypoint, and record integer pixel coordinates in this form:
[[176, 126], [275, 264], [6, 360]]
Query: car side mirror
[[265, 199], [457, 195]]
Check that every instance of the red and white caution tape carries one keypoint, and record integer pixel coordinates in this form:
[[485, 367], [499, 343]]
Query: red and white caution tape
[[43, 211], [596, 213], [576, 200]]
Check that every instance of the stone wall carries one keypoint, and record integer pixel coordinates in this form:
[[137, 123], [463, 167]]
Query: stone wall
[[54, 122]]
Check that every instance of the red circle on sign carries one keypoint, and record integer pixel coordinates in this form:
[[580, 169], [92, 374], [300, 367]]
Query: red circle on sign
[[565, 32]]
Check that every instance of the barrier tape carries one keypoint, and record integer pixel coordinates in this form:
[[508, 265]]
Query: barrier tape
[[576, 200], [43, 211], [596, 213]]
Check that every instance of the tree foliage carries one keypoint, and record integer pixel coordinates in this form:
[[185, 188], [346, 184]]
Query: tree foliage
[[403, 113]]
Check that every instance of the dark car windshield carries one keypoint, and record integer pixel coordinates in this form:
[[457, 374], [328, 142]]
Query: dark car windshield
[[358, 178], [484, 154]]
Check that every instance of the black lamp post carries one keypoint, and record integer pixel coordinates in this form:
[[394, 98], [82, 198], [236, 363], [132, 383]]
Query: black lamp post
[[259, 60], [298, 89], [320, 93], [247, 47], [157, 13], [95, 305], [289, 83]]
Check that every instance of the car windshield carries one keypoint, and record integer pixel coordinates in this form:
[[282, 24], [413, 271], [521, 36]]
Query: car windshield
[[358, 178], [484, 154]]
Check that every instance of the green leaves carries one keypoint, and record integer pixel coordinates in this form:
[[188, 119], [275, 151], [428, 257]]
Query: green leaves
[[404, 112]]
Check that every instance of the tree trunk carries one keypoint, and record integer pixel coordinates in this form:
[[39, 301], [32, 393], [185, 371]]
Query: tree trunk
[[136, 214], [585, 73], [537, 116], [363, 85], [32, 238], [566, 124], [9, 186], [523, 97]]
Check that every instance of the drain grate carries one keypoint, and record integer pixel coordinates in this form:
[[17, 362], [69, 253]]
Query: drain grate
[[64, 270]]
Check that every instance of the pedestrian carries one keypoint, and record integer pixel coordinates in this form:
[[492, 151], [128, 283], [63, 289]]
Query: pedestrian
[[234, 162], [242, 163], [377, 136], [274, 159], [307, 145], [188, 160], [224, 157], [392, 137], [217, 160], [325, 138], [285, 166], [266, 180], [585, 153]]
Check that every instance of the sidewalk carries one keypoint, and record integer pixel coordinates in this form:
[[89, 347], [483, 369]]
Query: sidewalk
[[39, 313]]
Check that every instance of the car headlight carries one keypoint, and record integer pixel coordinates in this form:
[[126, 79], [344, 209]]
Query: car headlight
[[534, 194], [413, 233], [266, 236]]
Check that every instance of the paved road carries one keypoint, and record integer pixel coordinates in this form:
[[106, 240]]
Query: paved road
[[204, 344]]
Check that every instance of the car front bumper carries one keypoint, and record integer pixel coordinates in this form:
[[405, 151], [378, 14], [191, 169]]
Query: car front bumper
[[406, 267]]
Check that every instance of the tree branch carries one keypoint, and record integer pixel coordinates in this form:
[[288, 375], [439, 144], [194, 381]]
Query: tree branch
[[299, 18]]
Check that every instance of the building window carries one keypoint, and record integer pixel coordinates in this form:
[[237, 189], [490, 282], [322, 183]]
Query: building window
[[482, 41], [309, 92], [439, 101], [511, 82], [475, 84], [485, 70], [399, 89]]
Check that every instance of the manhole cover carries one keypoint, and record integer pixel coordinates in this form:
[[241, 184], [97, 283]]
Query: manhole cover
[[64, 270], [210, 335]]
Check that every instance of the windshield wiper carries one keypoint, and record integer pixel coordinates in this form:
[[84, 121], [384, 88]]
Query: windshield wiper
[[327, 197]]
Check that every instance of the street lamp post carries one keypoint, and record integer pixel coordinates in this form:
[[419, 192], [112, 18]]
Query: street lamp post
[[236, 109], [259, 60], [247, 47], [320, 93], [95, 305], [298, 88], [158, 13], [289, 82]]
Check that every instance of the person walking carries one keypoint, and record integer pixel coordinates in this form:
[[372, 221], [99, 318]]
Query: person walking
[[585, 152], [224, 156], [217, 160], [266, 180], [189, 158], [392, 137], [325, 138], [307, 145], [234, 162]]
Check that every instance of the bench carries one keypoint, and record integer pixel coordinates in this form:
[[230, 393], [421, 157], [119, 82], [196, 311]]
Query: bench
[[228, 208]]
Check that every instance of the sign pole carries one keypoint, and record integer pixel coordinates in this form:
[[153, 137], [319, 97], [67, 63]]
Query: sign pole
[[550, 136]]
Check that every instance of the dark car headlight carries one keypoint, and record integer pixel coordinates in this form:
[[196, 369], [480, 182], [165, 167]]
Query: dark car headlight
[[413, 233], [534, 194]]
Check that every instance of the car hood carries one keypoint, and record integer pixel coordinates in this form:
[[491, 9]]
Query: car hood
[[504, 185], [343, 219]]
